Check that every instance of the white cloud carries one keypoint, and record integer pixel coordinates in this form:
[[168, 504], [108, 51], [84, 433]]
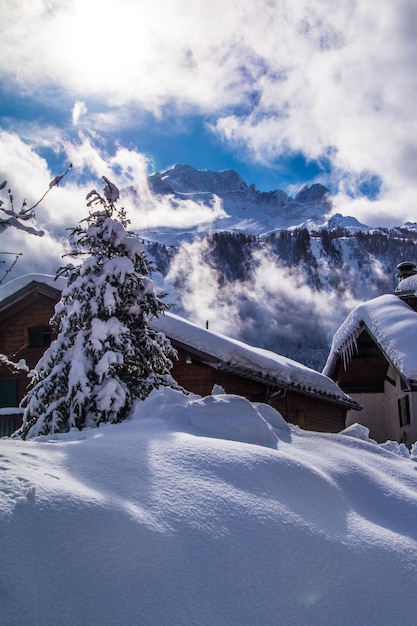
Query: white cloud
[[79, 110], [335, 81], [168, 212], [37, 254], [28, 176], [26, 173], [200, 292], [128, 169]]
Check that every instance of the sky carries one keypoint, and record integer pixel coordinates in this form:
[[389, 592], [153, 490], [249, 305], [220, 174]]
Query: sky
[[287, 93], [207, 511]]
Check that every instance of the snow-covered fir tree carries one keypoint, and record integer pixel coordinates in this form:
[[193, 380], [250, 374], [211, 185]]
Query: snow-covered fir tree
[[106, 355]]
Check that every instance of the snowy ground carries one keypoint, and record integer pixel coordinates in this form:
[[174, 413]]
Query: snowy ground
[[199, 512]]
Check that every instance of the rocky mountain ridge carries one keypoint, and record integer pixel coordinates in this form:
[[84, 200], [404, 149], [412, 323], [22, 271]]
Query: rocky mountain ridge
[[248, 209]]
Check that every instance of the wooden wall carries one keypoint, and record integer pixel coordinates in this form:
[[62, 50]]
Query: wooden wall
[[200, 378], [310, 413], [35, 310]]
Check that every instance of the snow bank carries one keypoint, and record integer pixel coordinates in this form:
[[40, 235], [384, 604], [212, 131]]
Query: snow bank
[[223, 416], [229, 417], [362, 432], [176, 517], [359, 431]]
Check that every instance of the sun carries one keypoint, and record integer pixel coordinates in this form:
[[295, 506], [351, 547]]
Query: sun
[[101, 47]]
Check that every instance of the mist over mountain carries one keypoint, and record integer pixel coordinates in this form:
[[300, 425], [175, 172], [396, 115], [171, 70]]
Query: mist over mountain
[[276, 271]]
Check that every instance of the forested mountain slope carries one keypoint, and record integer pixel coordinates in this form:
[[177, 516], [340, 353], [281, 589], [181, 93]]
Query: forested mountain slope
[[287, 291]]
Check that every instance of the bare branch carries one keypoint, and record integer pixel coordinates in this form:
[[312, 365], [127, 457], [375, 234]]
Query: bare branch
[[10, 217], [54, 183], [9, 269]]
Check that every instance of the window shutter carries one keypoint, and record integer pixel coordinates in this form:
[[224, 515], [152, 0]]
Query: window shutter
[[39, 336]]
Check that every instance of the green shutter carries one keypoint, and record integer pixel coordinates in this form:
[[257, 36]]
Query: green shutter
[[39, 336], [35, 336]]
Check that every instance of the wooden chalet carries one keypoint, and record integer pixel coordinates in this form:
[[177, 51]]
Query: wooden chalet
[[26, 306], [302, 395], [373, 358]]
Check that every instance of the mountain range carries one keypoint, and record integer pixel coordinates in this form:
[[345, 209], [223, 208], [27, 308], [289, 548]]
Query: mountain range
[[248, 209], [277, 272]]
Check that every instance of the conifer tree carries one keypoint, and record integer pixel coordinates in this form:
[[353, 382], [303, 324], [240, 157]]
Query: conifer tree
[[106, 355]]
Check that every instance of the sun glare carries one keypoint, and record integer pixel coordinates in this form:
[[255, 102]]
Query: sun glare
[[109, 44]]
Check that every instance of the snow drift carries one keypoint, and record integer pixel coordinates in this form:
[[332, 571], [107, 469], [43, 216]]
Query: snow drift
[[208, 511]]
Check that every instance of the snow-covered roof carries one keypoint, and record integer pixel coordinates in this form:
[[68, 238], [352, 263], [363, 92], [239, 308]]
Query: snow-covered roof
[[224, 352], [407, 286], [14, 286], [236, 356], [393, 326]]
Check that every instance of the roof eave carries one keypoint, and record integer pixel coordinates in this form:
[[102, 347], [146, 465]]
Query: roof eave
[[280, 384], [337, 354], [32, 287]]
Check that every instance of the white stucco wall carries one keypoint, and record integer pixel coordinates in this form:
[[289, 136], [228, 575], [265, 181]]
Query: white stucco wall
[[380, 413]]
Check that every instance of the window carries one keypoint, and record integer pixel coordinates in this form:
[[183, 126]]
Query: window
[[39, 336], [8, 393], [404, 410]]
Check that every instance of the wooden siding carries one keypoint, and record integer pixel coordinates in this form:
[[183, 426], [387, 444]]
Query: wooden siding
[[367, 370], [200, 378], [310, 413], [34, 310]]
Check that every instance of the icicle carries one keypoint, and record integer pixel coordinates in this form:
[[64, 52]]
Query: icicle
[[349, 347]]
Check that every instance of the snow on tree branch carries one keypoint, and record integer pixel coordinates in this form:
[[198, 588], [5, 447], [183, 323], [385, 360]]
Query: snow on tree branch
[[105, 355], [19, 366]]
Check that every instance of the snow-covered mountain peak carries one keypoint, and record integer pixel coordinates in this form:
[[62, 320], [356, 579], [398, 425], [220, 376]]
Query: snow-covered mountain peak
[[249, 210], [345, 221], [184, 179], [314, 194]]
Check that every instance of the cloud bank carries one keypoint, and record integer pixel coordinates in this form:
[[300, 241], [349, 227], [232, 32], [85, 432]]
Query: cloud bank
[[334, 81], [28, 176]]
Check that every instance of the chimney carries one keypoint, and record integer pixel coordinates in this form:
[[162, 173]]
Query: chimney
[[407, 286], [406, 269]]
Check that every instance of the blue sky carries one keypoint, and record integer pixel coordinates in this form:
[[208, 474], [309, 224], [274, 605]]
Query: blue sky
[[172, 138], [287, 93]]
